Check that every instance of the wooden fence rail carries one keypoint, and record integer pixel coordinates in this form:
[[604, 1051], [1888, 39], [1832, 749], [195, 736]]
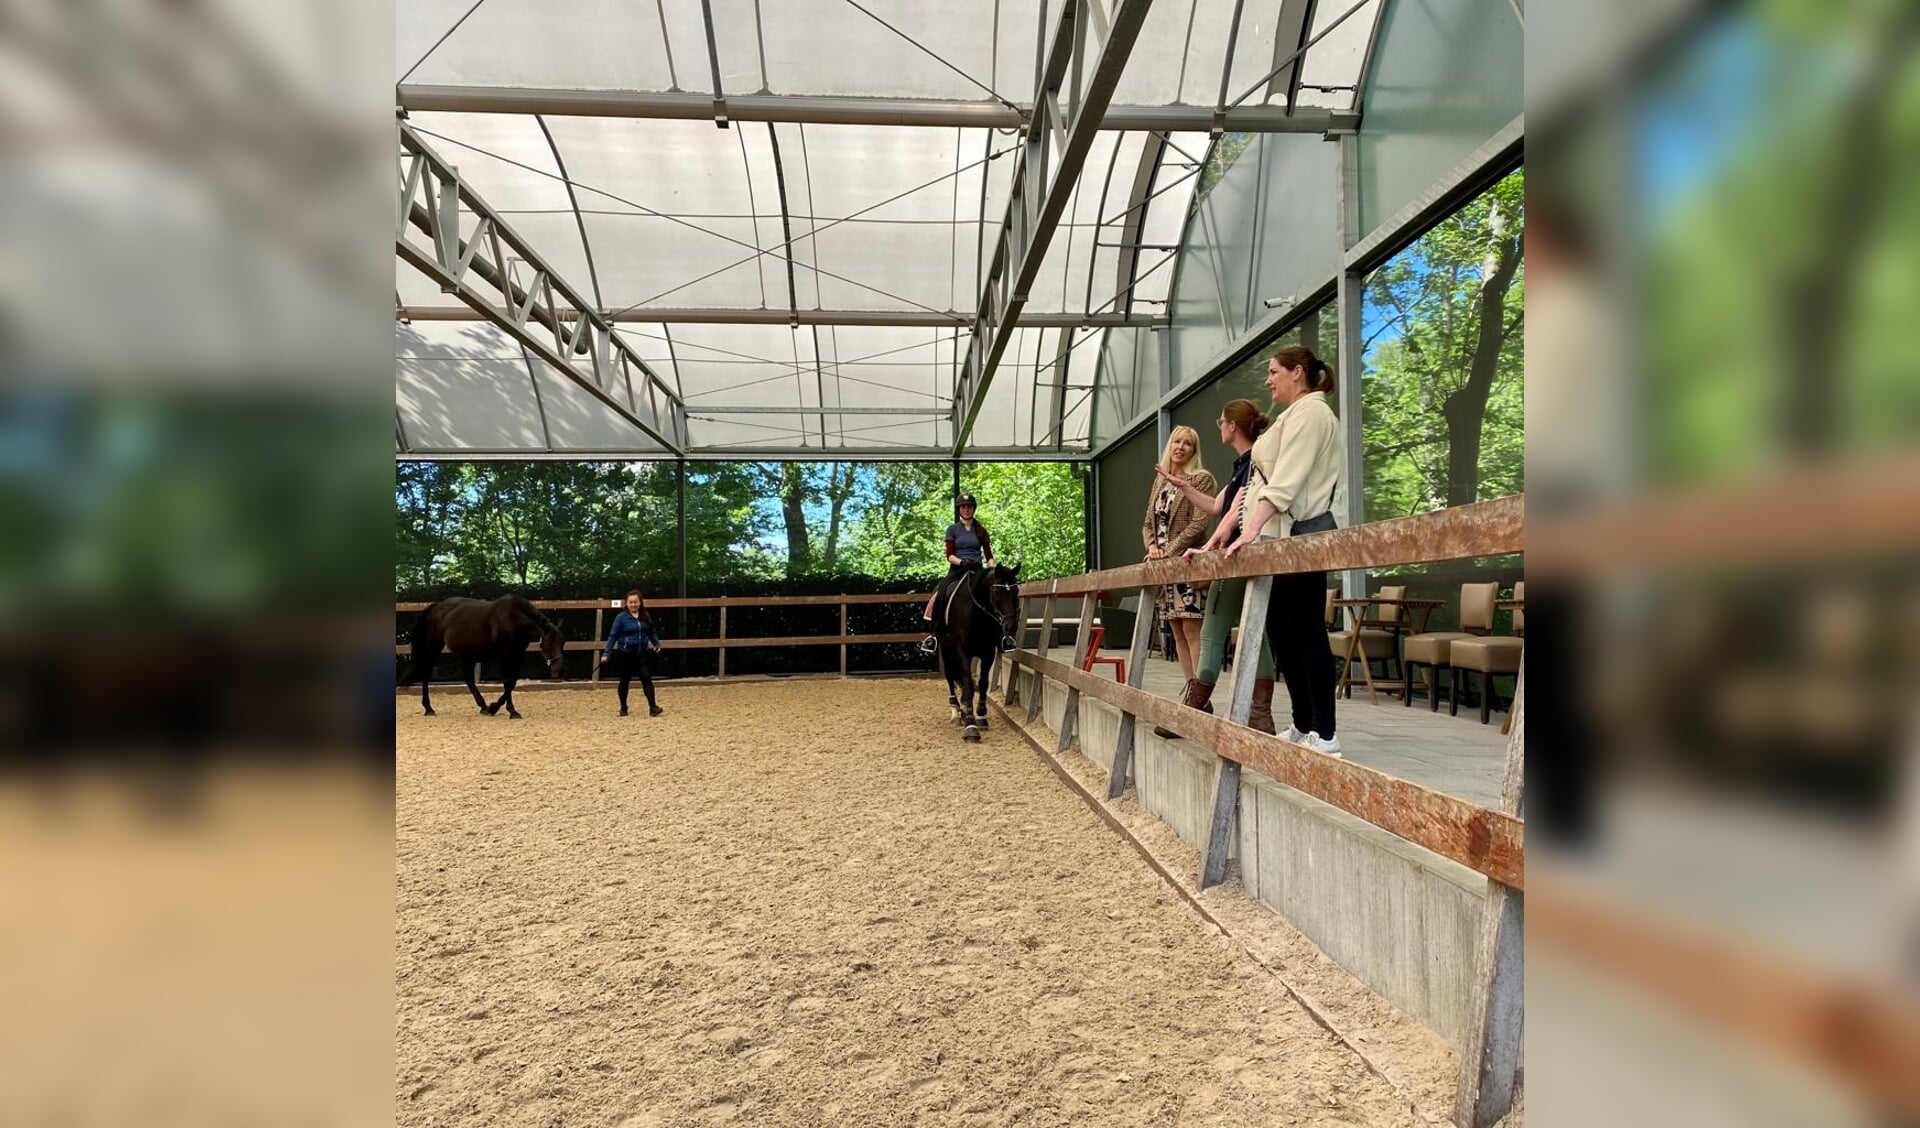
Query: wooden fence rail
[[1488, 840], [722, 642]]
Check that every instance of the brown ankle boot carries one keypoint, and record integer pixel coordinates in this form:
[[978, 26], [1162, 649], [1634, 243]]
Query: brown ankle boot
[[1196, 695], [1260, 718]]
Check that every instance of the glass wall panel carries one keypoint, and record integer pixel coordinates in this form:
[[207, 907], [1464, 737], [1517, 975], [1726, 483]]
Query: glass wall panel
[[1319, 331], [1126, 474], [1445, 77], [1298, 231], [1443, 366], [1129, 380], [1443, 381], [1198, 305], [1266, 228]]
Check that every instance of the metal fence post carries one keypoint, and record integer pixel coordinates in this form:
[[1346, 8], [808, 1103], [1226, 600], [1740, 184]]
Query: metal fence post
[[723, 642]]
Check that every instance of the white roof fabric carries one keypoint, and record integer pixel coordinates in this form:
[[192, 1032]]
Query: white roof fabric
[[646, 214]]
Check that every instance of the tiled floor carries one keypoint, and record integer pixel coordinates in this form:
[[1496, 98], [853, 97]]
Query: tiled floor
[[1457, 755]]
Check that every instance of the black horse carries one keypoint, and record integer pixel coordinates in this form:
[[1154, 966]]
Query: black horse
[[476, 630], [981, 612]]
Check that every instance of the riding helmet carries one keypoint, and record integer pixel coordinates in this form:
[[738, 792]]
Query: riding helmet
[[965, 499]]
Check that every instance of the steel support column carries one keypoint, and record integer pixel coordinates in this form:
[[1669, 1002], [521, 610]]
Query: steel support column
[[1349, 301], [1043, 183], [818, 110], [914, 318]]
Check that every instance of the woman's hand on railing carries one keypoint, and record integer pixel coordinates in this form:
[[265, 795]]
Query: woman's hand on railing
[[1246, 538], [1200, 551], [1155, 552]]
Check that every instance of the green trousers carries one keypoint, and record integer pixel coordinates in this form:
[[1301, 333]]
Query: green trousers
[[1224, 599]]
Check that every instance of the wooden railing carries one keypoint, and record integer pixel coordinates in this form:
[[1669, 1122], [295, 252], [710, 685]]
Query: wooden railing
[[1489, 840], [1851, 1029], [723, 642]]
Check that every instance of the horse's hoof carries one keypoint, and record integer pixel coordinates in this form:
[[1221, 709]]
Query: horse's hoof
[[971, 736], [980, 721], [430, 713], [513, 716]]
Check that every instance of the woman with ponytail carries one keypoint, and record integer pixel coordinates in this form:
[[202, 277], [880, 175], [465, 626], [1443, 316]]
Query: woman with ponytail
[[1240, 422], [1298, 483]]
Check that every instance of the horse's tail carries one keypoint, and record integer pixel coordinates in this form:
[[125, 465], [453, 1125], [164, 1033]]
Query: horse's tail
[[425, 640]]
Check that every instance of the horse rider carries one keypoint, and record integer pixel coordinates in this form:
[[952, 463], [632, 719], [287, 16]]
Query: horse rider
[[969, 548]]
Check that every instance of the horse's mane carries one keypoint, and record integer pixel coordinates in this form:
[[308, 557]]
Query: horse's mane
[[537, 617]]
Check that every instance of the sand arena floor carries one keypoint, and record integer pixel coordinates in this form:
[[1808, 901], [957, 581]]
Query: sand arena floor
[[808, 903]]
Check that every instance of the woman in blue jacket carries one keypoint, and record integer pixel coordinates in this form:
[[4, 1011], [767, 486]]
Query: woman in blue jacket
[[631, 645]]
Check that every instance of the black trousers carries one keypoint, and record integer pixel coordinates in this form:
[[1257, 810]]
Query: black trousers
[[627, 665], [1297, 631]]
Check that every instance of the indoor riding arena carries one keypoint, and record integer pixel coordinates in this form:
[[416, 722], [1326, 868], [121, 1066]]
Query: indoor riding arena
[[809, 903], [735, 361]]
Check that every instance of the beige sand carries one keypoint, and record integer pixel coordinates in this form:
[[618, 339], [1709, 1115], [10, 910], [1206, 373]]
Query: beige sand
[[809, 903]]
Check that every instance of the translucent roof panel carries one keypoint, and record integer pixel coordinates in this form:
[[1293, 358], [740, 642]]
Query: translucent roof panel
[[959, 50], [463, 386], [706, 244], [790, 47]]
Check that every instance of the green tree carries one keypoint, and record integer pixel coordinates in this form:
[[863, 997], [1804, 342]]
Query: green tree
[[1036, 512], [1443, 414]]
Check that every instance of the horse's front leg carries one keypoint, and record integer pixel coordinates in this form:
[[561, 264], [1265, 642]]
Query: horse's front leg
[[966, 700], [986, 683], [509, 674], [953, 688], [472, 667]]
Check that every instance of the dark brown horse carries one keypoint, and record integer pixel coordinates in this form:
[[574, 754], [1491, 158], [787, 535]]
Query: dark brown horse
[[980, 615], [476, 630]]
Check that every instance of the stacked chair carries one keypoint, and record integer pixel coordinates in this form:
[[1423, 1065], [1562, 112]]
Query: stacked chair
[[1490, 656], [1473, 648]]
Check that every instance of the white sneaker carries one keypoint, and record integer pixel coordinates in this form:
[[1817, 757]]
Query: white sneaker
[[1327, 744], [1293, 736]]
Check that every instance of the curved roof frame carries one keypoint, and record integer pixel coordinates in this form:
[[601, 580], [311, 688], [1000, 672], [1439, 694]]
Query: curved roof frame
[[1113, 241]]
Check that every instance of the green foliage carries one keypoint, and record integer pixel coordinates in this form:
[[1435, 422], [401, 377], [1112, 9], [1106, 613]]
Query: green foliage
[[1424, 384], [1036, 512], [599, 527]]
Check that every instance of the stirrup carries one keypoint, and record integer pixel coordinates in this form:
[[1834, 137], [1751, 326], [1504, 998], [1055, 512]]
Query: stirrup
[[1007, 644], [930, 645]]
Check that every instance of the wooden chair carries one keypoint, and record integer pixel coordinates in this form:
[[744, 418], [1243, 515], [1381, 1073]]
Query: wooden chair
[[1497, 655], [1095, 637], [1434, 649]]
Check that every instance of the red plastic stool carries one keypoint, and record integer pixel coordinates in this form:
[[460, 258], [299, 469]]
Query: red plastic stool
[[1093, 658]]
